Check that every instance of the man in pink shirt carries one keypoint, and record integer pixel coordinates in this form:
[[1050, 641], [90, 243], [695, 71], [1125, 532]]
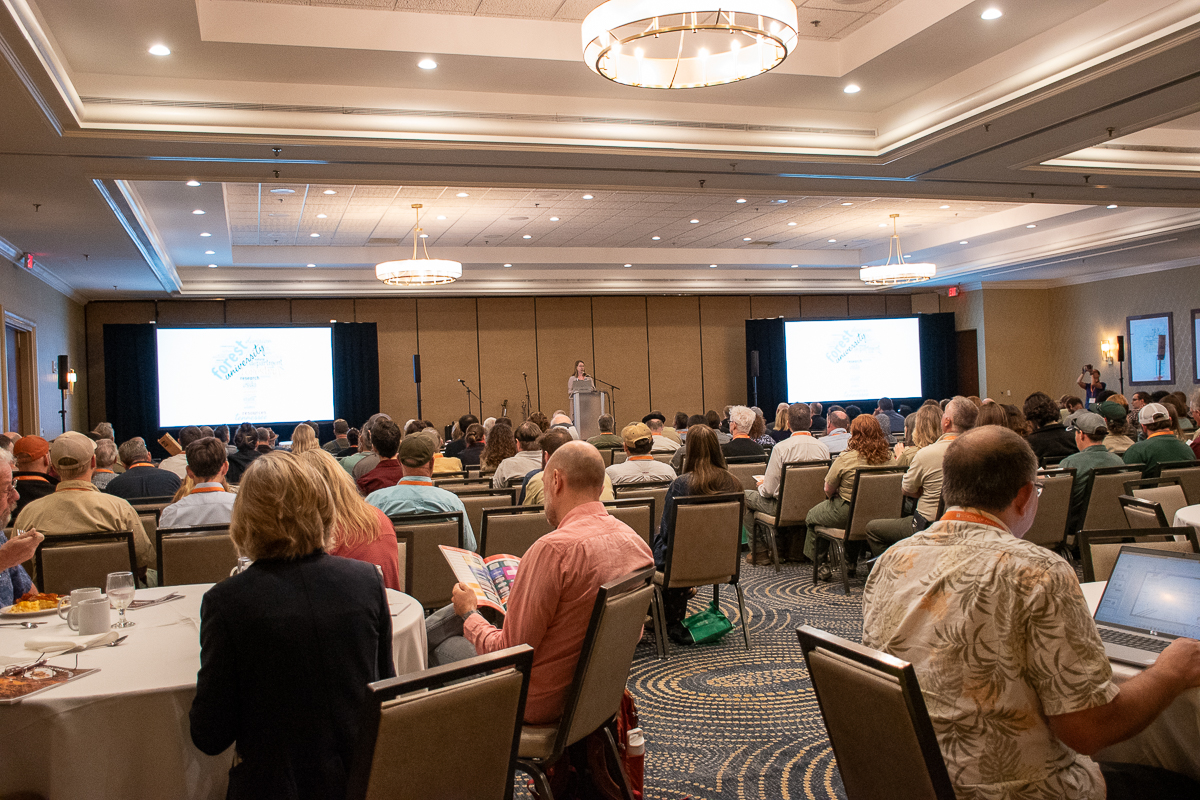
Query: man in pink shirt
[[556, 585]]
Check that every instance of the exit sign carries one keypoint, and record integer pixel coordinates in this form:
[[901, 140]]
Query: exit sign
[[954, 291], [27, 261]]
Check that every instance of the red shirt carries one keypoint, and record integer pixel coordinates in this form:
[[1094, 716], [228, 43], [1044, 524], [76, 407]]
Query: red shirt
[[386, 473], [383, 552]]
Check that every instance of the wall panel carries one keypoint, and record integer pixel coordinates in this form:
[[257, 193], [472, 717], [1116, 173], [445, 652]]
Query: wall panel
[[507, 347], [564, 335], [723, 340], [774, 305], [675, 369], [824, 305], [98, 315], [258, 312], [319, 311], [191, 312], [898, 305], [448, 337], [396, 324], [867, 305], [619, 331], [928, 303]]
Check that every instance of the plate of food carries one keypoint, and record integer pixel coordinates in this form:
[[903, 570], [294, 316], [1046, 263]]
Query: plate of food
[[33, 604]]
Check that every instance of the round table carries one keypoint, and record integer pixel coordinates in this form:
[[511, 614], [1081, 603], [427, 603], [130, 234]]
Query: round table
[[1188, 516], [123, 732]]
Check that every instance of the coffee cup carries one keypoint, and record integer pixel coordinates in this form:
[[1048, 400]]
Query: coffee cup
[[77, 597], [92, 616]]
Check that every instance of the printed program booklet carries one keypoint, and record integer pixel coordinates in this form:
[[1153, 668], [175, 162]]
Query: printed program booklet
[[490, 578]]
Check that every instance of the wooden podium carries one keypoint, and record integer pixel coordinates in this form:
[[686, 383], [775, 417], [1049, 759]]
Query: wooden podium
[[587, 404]]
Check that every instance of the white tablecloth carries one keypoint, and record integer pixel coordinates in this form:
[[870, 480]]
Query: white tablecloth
[[1187, 516], [1173, 740], [123, 733]]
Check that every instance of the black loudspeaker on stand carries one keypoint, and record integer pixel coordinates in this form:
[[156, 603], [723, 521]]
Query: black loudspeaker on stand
[[417, 381], [754, 374], [64, 383], [1121, 361]]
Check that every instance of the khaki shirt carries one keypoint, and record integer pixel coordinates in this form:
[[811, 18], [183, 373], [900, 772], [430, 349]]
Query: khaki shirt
[[535, 491], [925, 473], [841, 472], [79, 507]]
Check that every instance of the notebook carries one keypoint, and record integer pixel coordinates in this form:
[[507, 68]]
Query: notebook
[[1152, 598]]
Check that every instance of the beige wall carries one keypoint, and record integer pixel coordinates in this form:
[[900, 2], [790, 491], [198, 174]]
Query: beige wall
[[59, 330]]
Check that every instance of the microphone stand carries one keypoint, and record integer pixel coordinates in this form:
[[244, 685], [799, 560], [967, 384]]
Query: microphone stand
[[611, 395], [528, 403]]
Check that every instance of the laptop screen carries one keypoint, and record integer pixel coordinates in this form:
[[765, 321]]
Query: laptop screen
[[1153, 590]]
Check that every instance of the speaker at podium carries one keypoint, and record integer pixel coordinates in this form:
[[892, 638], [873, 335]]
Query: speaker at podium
[[587, 404]]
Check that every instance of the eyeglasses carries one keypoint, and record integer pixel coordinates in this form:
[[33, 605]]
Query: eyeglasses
[[1039, 485]]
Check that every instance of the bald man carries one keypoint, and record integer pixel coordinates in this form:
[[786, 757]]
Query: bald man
[[556, 585]]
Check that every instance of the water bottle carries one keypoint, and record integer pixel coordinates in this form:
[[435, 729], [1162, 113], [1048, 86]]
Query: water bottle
[[635, 759], [243, 564]]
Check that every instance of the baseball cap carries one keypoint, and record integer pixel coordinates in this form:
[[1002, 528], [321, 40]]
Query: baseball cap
[[1111, 410], [30, 448], [1153, 412], [1089, 423], [72, 450], [636, 432], [416, 451]]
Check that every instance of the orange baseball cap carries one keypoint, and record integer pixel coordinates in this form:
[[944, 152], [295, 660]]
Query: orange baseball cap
[[30, 448]]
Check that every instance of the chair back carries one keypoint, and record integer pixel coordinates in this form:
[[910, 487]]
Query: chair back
[[460, 485], [652, 489], [1141, 513], [636, 512], [412, 722], [450, 474], [203, 554], [427, 576], [745, 472], [663, 458], [1103, 510], [1188, 473], [511, 531], [1098, 550], [704, 540], [801, 487], [896, 756], [1167, 492], [619, 456], [476, 500], [606, 454], [877, 495], [69, 561], [1049, 527]]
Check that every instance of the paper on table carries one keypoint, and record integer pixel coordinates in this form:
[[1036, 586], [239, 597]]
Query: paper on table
[[60, 644]]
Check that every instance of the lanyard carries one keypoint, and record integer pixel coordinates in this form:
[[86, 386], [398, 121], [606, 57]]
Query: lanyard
[[801, 433], [962, 515], [416, 480], [640, 458], [207, 489], [104, 471], [32, 478]]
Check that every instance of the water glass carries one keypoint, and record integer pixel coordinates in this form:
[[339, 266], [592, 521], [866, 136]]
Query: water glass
[[120, 589]]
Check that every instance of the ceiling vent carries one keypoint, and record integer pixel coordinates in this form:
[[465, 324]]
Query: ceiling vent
[[388, 242]]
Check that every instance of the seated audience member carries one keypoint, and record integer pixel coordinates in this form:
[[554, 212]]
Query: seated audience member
[[528, 456], [245, 440], [475, 442], [341, 442], [969, 579], [1016, 419], [562, 420], [705, 474], [1050, 437], [288, 646], [206, 431], [106, 454], [1160, 444], [533, 490], [221, 432], [1194, 412], [741, 420], [639, 466], [177, 464], [922, 429], [555, 588], [352, 437], [867, 448], [818, 421], [713, 420], [889, 410], [6, 443], [371, 459], [14, 580], [1090, 432], [1136, 402], [454, 447], [779, 431], [415, 493], [77, 506], [799, 446], [360, 530], [852, 412], [501, 444], [385, 439], [681, 453], [992, 414], [607, 439], [266, 440], [441, 463], [667, 430], [208, 501], [541, 420], [349, 462], [758, 431], [679, 426], [32, 475], [141, 478], [1117, 440], [836, 434], [725, 419], [1091, 384], [659, 442], [304, 439], [1070, 407]]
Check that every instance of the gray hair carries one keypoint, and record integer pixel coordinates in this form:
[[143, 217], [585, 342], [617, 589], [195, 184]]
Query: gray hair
[[106, 453], [962, 413], [742, 417], [7, 458], [105, 431], [133, 451]]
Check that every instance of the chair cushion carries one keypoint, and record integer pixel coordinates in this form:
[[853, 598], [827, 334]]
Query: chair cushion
[[658, 578], [765, 519], [831, 533], [537, 741]]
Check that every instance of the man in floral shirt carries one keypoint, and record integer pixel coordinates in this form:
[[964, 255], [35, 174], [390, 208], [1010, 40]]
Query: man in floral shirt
[[1009, 661]]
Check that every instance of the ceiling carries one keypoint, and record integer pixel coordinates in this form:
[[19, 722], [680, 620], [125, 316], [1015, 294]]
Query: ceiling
[[1059, 143]]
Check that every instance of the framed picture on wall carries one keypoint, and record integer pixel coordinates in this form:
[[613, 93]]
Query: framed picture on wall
[[1151, 350], [1195, 340]]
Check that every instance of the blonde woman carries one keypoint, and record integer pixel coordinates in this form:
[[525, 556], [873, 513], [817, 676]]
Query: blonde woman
[[360, 531], [926, 429], [304, 438]]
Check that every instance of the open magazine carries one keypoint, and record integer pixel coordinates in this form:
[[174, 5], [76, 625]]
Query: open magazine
[[490, 578]]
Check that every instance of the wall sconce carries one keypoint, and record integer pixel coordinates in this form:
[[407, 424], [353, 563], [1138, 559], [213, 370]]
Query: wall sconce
[[1106, 349], [71, 378]]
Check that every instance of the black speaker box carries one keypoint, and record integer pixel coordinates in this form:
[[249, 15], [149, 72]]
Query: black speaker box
[[63, 383], [1120, 349], [416, 368], [753, 363]]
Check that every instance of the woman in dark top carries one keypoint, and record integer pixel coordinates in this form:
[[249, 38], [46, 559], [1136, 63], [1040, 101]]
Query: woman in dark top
[[704, 474], [288, 646], [246, 442], [1049, 437], [473, 445]]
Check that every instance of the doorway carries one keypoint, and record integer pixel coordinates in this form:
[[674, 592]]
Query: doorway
[[20, 376], [968, 362]]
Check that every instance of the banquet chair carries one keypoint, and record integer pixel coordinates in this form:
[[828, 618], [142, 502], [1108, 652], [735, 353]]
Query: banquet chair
[[1049, 528], [457, 485], [619, 457], [412, 722], [606, 453], [598, 686], [511, 531], [897, 756], [1141, 513], [427, 575], [636, 512], [876, 495], [1103, 510], [476, 500], [450, 475], [69, 561], [801, 486], [1167, 492], [652, 489], [745, 471], [1188, 473], [1098, 550], [704, 544], [663, 458], [203, 554]]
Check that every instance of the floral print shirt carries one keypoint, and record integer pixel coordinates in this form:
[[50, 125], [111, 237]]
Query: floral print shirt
[[1000, 637]]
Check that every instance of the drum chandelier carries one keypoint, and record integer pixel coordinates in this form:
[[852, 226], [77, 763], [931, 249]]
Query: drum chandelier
[[900, 272], [419, 271]]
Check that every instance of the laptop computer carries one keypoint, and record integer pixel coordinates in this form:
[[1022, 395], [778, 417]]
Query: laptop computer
[[1152, 598]]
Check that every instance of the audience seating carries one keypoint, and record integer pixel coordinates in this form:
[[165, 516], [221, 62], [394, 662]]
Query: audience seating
[[664, 458], [876, 495], [704, 543], [1188, 473], [619, 457], [1167, 492], [599, 683], [511, 531], [1049, 527], [203, 554], [149, 509], [458, 485], [450, 475], [427, 576], [801, 486], [412, 723], [1141, 513], [1098, 550], [477, 499], [606, 453], [1103, 510], [745, 471], [652, 489], [68, 561], [896, 755], [636, 512]]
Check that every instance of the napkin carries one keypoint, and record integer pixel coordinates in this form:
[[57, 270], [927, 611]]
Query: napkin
[[60, 644]]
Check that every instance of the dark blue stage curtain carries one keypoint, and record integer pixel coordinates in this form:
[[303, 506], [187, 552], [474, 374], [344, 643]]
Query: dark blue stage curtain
[[766, 336], [939, 356], [355, 373]]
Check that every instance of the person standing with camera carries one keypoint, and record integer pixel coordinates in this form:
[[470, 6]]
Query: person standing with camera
[[1089, 381]]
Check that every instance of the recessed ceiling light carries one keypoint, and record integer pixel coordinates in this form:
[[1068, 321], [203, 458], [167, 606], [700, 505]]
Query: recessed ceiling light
[[193, 183], [629, 265], [441, 216], [508, 265], [795, 265], [832, 241], [210, 252], [852, 88], [310, 265], [741, 200], [427, 63], [1114, 205], [212, 266], [527, 236], [847, 204], [745, 238], [779, 201], [198, 211], [329, 191], [462, 194], [322, 216], [206, 234], [588, 197], [883, 224], [283, 191], [992, 13], [906, 255], [424, 235], [315, 235], [554, 219], [791, 224], [160, 50], [655, 238], [695, 221], [964, 241], [712, 266], [1031, 226]]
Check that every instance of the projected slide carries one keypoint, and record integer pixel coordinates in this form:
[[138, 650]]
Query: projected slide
[[853, 359], [211, 376]]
